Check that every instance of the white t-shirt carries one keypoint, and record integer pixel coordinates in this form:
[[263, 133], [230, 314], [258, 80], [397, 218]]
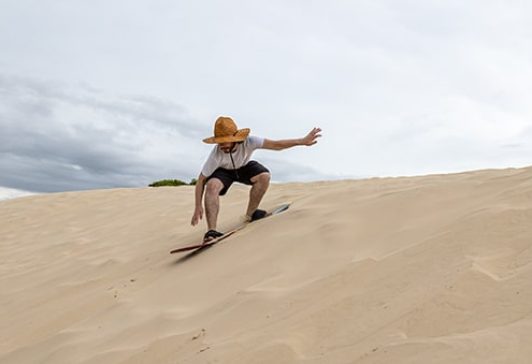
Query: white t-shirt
[[241, 155]]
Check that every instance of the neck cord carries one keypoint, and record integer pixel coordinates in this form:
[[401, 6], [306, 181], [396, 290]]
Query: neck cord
[[232, 161]]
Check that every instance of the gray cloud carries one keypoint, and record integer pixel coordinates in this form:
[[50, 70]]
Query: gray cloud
[[56, 137]]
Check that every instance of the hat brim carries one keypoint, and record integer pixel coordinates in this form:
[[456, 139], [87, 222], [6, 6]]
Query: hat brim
[[239, 136]]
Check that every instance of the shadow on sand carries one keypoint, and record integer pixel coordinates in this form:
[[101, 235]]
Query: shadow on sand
[[192, 254]]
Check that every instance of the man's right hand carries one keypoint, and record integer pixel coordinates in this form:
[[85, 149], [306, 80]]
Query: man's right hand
[[198, 215]]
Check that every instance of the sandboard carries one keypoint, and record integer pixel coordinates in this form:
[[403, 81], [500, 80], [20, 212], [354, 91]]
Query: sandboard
[[275, 211]]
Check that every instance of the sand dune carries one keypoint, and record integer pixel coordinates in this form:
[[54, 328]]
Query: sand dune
[[431, 269]]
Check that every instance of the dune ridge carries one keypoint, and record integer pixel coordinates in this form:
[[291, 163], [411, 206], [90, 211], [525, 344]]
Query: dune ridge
[[421, 269]]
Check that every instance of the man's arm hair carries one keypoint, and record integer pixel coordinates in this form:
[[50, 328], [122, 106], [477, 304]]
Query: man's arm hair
[[308, 140], [200, 186], [280, 144]]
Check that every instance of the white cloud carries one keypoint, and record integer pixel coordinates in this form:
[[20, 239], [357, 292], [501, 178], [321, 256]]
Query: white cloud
[[11, 193]]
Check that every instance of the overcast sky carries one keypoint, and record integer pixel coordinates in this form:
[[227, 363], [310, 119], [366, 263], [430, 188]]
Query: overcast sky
[[97, 94]]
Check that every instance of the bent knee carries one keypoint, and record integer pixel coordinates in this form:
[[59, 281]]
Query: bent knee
[[214, 186], [263, 177]]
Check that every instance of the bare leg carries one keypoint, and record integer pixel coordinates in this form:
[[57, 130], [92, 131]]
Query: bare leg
[[261, 182], [212, 202]]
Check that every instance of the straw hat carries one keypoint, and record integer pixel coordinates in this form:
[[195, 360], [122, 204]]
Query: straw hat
[[225, 131]]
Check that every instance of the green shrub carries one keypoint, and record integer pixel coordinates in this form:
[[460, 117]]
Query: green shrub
[[168, 182]]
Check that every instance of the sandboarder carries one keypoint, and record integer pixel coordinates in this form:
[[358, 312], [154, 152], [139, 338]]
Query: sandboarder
[[229, 161]]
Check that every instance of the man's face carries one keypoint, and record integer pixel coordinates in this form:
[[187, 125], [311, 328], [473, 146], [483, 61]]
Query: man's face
[[227, 147]]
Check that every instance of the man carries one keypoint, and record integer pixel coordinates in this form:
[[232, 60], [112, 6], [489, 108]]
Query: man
[[228, 162]]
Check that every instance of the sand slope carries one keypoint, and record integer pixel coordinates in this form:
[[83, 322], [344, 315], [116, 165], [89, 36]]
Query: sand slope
[[405, 270]]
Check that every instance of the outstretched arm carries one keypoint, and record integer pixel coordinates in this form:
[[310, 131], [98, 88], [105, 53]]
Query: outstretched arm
[[309, 139]]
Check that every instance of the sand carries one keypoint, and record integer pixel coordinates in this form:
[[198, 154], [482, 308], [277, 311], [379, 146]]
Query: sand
[[431, 269]]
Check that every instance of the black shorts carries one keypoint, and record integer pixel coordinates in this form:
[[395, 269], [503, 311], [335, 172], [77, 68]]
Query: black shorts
[[242, 175]]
